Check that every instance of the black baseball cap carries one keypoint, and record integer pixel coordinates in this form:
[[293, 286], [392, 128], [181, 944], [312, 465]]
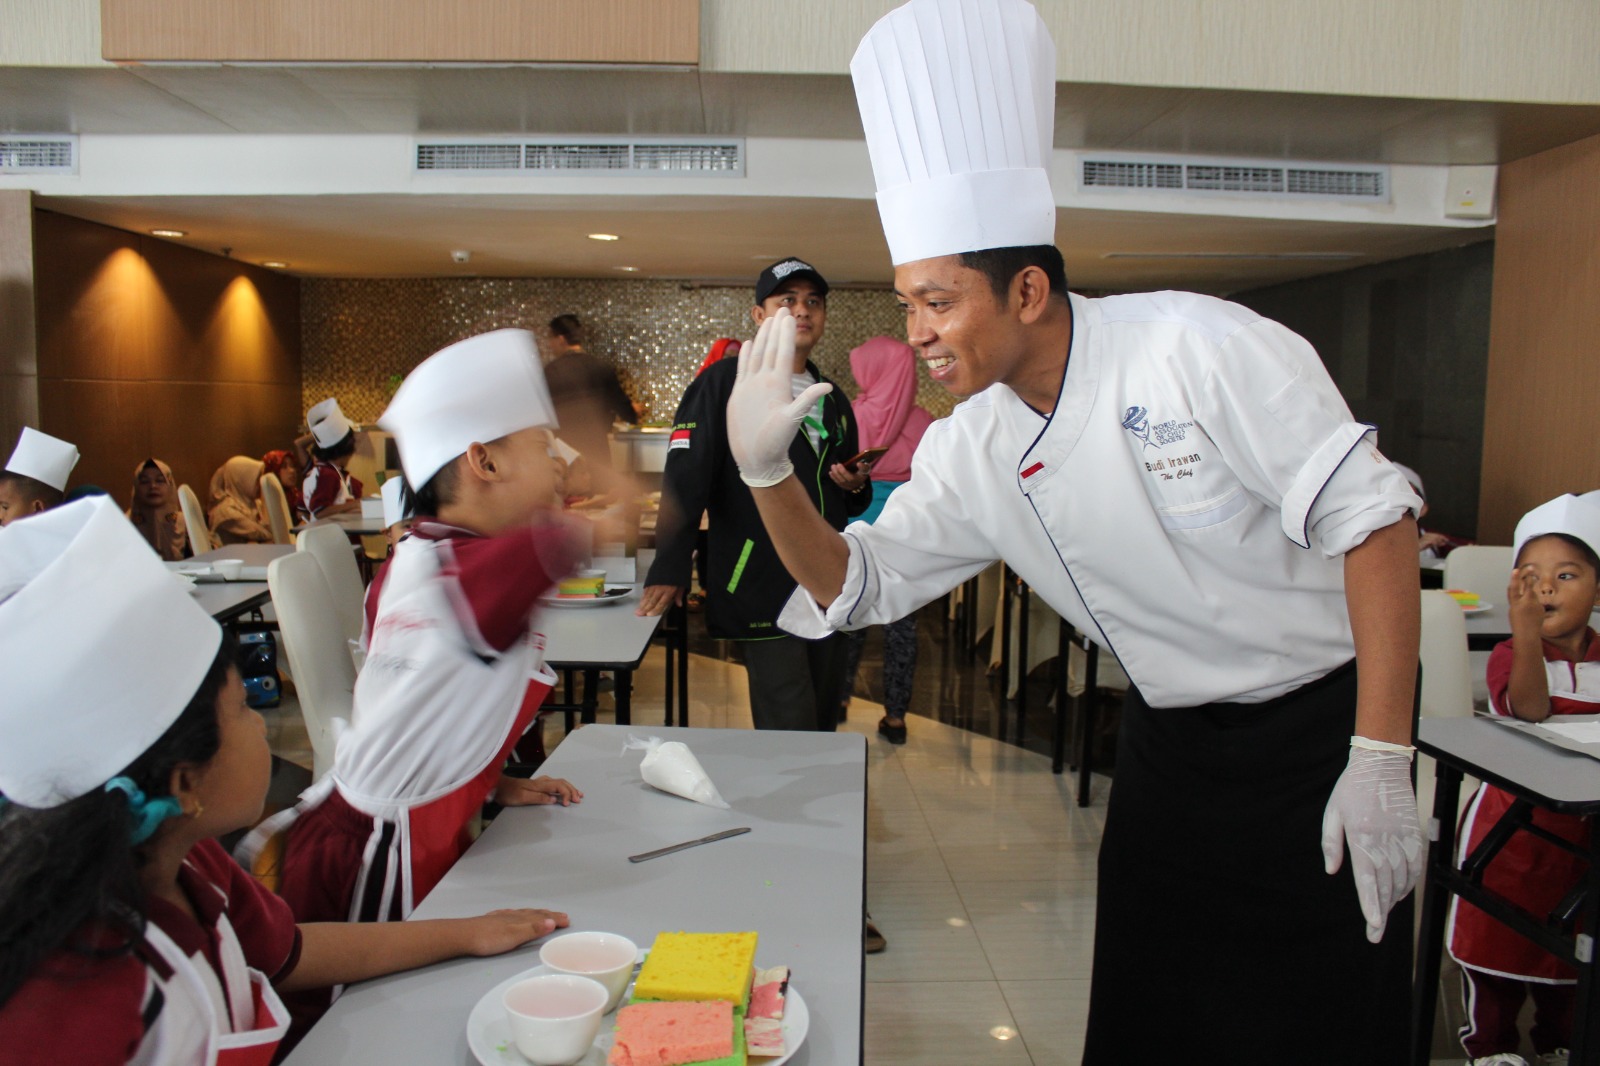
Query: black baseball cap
[[783, 270]]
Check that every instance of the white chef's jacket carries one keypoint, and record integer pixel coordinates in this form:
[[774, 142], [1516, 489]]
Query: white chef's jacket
[[1187, 504]]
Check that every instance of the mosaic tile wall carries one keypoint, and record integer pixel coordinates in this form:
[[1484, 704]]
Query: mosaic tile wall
[[360, 336]]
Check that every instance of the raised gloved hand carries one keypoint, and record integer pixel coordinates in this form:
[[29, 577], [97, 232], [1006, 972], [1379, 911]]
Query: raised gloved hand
[[1374, 807], [763, 412]]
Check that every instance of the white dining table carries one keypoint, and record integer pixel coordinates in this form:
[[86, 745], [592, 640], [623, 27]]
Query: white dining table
[[594, 636], [797, 879], [227, 600]]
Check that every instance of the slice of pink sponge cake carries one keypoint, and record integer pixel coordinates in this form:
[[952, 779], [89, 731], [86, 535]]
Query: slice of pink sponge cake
[[763, 1023], [674, 1033]]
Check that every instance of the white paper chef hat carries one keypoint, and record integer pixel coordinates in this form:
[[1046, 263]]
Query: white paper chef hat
[[327, 423], [958, 101], [393, 507], [1576, 516], [100, 650], [43, 458], [474, 391]]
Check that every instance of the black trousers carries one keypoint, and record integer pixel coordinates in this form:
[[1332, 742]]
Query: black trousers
[[1218, 937], [794, 683]]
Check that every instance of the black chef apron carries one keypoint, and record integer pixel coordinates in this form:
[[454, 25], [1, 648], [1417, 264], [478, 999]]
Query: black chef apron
[[1217, 933]]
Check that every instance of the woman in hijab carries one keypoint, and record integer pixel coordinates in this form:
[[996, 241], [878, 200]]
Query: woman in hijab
[[281, 463], [887, 415], [155, 511], [235, 498], [722, 348]]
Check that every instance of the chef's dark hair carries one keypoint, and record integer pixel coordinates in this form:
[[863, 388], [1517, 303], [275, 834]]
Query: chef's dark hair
[[568, 328], [31, 489], [440, 490], [69, 878], [345, 445], [1586, 553], [1001, 265]]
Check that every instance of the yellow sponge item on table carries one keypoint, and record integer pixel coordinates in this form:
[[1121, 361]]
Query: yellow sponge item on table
[[698, 966]]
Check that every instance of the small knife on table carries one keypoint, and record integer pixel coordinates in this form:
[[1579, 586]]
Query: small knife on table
[[724, 835]]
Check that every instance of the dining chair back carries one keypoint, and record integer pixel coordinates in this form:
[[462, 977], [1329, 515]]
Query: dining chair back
[[324, 677], [1481, 568], [330, 547], [194, 517], [277, 502], [1446, 675]]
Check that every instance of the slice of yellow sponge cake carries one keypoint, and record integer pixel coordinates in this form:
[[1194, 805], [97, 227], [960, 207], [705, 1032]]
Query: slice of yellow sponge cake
[[698, 966]]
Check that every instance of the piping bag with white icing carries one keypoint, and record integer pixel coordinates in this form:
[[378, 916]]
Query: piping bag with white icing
[[670, 766]]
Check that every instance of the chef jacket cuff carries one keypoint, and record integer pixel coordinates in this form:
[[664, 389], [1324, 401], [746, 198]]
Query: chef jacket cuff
[[804, 617], [1360, 494]]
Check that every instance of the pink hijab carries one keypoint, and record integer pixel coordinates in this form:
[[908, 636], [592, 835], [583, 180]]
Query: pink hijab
[[887, 411]]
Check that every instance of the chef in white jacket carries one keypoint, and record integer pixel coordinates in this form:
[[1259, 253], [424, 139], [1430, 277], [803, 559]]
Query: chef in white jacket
[[1179, 478]]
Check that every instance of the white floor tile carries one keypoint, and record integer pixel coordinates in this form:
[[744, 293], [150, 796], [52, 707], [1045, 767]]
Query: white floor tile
[[956, 1023]]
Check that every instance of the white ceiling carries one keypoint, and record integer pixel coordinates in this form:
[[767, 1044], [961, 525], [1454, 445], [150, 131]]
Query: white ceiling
[[716, 238]]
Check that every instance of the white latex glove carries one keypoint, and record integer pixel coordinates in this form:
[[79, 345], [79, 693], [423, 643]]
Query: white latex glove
[[1374, 807], [763, 412]]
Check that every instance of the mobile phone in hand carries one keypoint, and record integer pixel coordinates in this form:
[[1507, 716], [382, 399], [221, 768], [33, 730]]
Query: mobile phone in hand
[[869, 455]]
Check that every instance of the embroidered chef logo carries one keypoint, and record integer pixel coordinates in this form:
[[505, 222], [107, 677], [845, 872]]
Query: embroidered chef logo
[[789, 266], [1136, 420]]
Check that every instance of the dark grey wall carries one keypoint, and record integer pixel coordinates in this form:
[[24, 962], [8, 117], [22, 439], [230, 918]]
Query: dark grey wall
[[1408, 344]]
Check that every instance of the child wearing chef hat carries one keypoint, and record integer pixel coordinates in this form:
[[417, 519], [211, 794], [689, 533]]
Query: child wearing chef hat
[[1550, 666], [454, 673], [35, 477], [328, 488], [126, 932]]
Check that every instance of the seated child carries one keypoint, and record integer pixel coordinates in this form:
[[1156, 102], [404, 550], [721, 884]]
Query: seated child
[[35, 476], [127, 934], [237, 512], [155, 513], [453, 675], [1551, 665], [328, 489]]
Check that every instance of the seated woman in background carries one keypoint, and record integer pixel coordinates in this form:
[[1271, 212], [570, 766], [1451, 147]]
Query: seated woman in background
[[236, 503], [155, 513], [722, 348], [282, 464]]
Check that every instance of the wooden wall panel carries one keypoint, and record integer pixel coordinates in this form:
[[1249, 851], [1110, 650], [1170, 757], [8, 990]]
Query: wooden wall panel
[[385, 31], [151, 348], [1544, 361], [19, 378]]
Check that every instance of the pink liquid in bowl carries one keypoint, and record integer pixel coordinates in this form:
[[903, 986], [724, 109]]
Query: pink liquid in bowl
[[554, 998]]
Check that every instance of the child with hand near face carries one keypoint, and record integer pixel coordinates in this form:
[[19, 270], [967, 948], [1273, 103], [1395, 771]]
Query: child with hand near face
[[1550, 666], [127, 934]]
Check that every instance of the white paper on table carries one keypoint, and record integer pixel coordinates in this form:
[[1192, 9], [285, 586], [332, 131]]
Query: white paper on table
[[1573, 732]]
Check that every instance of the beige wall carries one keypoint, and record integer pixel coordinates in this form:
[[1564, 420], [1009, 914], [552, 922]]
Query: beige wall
[[1544, 337], [19, 368]]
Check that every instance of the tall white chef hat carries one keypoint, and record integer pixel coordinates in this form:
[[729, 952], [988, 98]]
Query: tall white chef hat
[[1575, 516], [327, 423], [393, 506], [958, 101], [474, 391], [100, 650], [43, 458]]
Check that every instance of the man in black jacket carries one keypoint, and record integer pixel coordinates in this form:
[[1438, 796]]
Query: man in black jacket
[[794, 683]]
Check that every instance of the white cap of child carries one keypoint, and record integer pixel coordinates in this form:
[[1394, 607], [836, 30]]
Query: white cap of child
[[1575, 516], [957, 98], [393, 506], [327, 423], [100, 648], [43, 458], [473, 392]]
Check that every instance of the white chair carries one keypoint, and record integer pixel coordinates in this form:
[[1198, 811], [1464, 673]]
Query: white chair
[[331, 548], [194, 517], [277, 502], [1481, 568], [324, 677]]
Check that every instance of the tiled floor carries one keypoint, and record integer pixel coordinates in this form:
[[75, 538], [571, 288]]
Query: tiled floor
[[981, 874]]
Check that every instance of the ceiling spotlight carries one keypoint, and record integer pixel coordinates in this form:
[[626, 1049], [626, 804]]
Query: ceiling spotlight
[[628, 269], [460, 255], [169, 233], [275, 264], [604, 237]]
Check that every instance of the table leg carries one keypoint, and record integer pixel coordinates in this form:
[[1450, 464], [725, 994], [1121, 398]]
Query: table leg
[[1585, 1025], [1058, 736], [1091, 704], [591, 695], [1022, 659], [623, 691], [669, 648], [1435, 906], [683, 666]]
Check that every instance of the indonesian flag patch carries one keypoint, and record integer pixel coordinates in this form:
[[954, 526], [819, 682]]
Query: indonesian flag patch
[[680, 439]]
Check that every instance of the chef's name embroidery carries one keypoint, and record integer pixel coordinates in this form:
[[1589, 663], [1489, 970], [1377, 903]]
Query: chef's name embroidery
[[1136, 420], [1173, 467]]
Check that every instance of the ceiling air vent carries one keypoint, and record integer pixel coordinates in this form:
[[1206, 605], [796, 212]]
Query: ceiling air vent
[[38, 154], [1238, 178], [698, 157]]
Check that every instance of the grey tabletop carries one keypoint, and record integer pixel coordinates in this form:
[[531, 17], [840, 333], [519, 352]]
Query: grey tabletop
[[1493, 624], [224, 600], [1563, 780], [603, 636], [797, 879], [352, 522]]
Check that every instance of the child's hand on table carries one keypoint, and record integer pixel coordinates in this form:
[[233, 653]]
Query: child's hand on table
[[525, 792], [1523, 605], [500, 931]]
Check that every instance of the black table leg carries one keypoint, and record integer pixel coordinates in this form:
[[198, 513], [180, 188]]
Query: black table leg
[[683, 666], [622, 690], [1435, 906], [1058, 737], [1091, 702], [1022, 659], [591, 695]]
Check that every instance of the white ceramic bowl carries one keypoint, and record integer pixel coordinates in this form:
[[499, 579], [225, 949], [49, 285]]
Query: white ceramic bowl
[[554, 1017], [604, 957]]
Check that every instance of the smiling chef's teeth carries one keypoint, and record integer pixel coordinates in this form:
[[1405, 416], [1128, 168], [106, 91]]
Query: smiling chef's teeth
[[939, 362]]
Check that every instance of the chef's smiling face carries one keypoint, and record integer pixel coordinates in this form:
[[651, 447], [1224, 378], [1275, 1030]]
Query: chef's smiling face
[[966, 336]]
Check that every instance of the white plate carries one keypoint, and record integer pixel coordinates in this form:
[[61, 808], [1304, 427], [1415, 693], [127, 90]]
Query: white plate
[[489, 1034], [1477, 608], [612, 594]]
